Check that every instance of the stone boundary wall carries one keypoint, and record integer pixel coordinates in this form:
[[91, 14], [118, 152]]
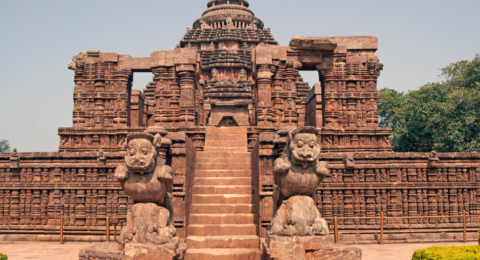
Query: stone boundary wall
[[36, 187], [398, 184]]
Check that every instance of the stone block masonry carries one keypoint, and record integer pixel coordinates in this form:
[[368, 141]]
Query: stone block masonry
[[227, 97]]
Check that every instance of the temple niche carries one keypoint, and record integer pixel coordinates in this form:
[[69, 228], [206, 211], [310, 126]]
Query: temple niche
[[224, 113]]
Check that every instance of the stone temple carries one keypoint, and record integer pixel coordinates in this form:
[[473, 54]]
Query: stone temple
[[227, 115]]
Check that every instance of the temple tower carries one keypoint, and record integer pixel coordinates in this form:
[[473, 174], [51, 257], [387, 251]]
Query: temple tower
[[225, 38]]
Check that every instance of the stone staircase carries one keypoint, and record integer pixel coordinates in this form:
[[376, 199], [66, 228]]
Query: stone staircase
[[222, 216]]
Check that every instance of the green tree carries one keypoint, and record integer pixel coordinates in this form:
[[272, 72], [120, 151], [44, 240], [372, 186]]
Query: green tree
[[4, 146], [443, 116]]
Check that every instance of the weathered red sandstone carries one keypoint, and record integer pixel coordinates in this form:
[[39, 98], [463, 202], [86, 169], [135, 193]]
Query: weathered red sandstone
[[223, 103]]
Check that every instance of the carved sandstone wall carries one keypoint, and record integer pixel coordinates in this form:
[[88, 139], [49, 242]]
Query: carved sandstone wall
[[36, 187], [398, 184], [228, 70]]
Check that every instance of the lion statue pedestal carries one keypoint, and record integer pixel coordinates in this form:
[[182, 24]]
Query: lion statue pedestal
[[149, 232], [298, 231]]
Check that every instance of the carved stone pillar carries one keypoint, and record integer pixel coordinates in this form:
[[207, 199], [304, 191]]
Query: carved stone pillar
[[123, 202], [440, 205], [93, 210], [121, 103], [405, 205], [264, 113], [15, 208], [165, 92], [101, 208], [186, 74], [453, 205], [363, 212], [2, 216], [370, 200], [348, 209], [446, 205], [45, 200], [420, 206], [99, 104], [466, 201], [36, 208], [412, 205], [432, 205], [327, 204], [335, 204]]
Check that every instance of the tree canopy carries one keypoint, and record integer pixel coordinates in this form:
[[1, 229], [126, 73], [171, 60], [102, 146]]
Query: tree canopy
[[442, 117], [4, 146]]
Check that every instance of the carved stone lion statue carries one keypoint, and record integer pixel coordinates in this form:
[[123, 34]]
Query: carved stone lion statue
[[148, 181], [145, 178], [297, 173]]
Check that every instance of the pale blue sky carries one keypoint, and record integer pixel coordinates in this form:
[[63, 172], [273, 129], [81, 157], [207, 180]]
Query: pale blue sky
[[39, 37]]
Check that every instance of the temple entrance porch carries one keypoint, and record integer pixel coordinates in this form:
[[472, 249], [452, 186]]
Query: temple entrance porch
[[226, 116]]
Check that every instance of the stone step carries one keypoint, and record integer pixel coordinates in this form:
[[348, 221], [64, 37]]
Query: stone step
[[230, 155], [222, 173], [222, 230], [224, 149], [223, 254], [223, 242], [225, 143], [226, 130], [222, 199], [222, 189], [221, 219], [222, 209], [213, 160], [223, 166], [226, 137], [223, 181]]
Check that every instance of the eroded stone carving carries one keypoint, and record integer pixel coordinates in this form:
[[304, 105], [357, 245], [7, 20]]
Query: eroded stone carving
[[297, 174], [148, 181], [148, 223], [149, 233]]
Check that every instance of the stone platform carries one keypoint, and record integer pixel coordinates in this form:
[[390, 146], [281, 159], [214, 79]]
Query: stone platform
[[133, 251], [69, 251], [102, 251], [308, 248]]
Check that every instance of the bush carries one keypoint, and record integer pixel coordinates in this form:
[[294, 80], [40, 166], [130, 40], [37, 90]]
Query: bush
[[3, 257], [448, 253]]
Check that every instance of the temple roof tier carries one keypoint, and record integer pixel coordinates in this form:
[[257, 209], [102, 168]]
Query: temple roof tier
[[217, 35]]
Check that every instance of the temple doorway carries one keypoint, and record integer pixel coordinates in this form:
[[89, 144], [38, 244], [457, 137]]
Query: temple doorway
[[228, 121]]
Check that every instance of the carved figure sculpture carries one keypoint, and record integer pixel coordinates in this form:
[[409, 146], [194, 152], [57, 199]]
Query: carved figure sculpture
[[243, 75], [214, 74], [148, 182], [101, 157], [297, 173]]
